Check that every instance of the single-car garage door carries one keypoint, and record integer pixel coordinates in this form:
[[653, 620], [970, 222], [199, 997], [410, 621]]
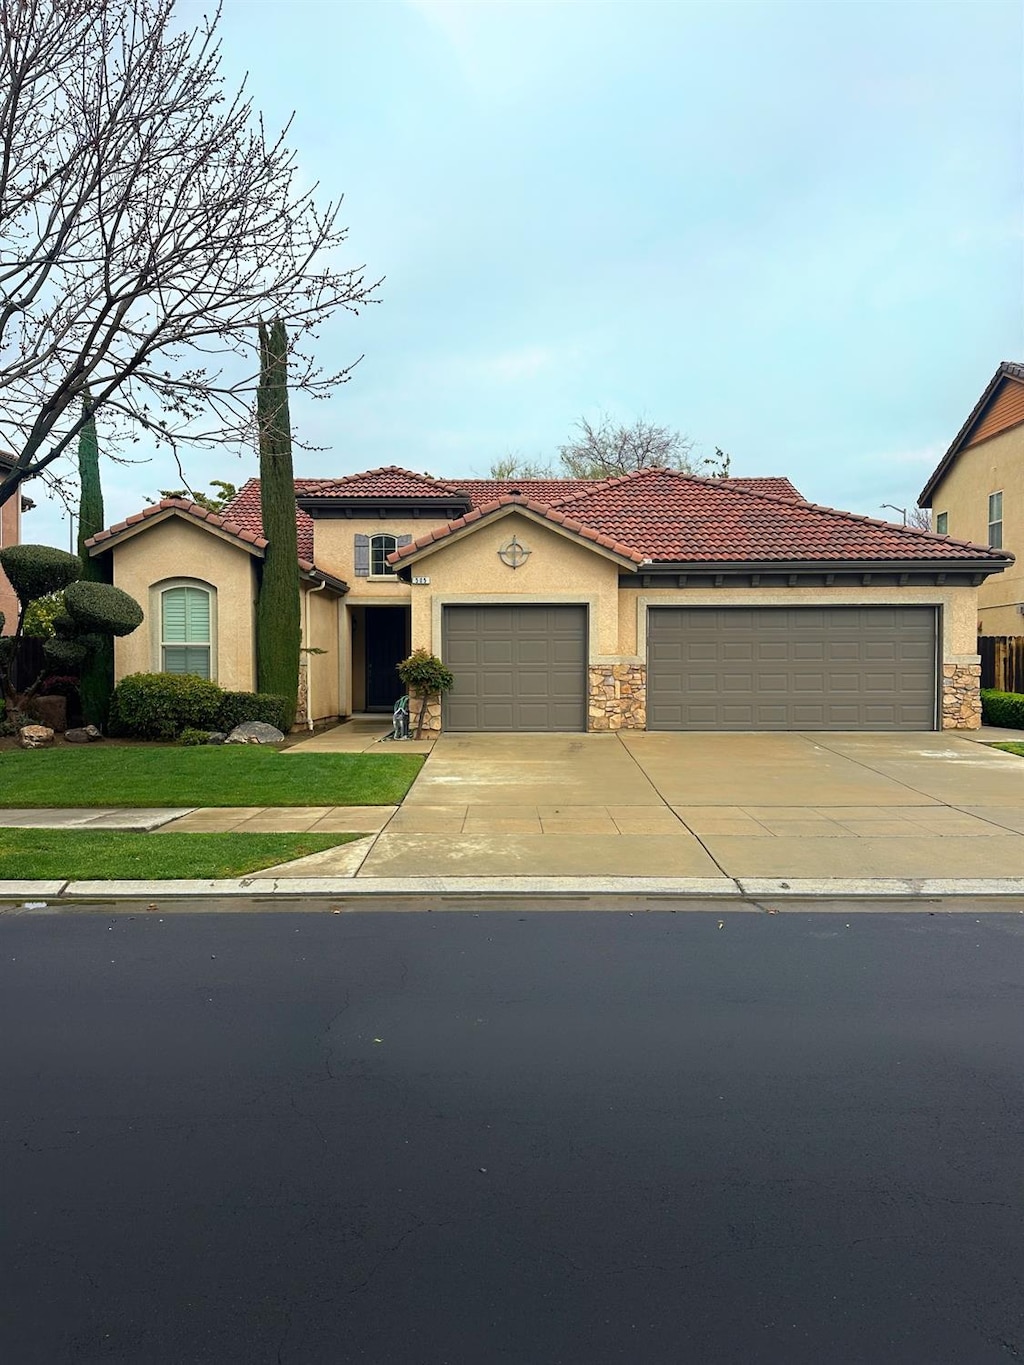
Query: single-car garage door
[[791, 668], [516, 668]]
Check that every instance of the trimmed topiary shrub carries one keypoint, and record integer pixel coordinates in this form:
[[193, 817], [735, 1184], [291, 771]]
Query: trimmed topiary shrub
[[238, 707], [162, 705], [1002, 708], [38, 570], [101, 607]]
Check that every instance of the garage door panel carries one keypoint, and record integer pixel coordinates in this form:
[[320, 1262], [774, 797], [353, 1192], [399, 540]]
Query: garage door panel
[[516, 667], [875, 668]]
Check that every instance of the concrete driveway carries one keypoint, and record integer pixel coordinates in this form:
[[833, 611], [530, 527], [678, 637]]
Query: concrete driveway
[[708, 805]]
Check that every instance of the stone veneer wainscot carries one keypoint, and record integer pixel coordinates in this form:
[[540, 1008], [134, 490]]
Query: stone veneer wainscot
[[618, 697], [961, 696]]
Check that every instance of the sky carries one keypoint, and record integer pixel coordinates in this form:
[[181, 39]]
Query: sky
[[789, 230]]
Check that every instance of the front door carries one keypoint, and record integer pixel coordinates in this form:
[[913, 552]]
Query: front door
[[387, 644]]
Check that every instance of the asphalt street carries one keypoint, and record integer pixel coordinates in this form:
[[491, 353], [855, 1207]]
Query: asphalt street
[[457, 1138]]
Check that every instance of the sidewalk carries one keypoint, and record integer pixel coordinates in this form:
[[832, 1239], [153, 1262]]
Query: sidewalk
[[635, 813]]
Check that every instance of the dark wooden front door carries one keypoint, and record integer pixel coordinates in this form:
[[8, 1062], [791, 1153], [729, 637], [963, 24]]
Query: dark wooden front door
[[387, 644]]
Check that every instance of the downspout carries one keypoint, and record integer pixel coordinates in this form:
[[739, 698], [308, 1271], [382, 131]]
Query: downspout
[[309, 658]]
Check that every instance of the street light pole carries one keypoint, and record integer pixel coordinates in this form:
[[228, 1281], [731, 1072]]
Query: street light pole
[[902, 510]]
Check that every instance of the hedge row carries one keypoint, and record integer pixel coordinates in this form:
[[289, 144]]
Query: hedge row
[[1002, 708], [163, 705]]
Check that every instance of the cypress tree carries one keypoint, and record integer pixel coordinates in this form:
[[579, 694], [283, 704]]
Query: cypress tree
[[278, 613], [96, 685]]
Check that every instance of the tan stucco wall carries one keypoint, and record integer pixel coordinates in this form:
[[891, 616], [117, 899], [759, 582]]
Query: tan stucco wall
[[320, 631], [993, 466], [334, 551], [10, 534], [558, 570], [175, 549], [959, 641]]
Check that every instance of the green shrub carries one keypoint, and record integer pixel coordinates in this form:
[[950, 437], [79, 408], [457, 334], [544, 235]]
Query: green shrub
[[101, 607], [190, 737], [162, 705], [38, 570], [1002, 708], [238, 707]]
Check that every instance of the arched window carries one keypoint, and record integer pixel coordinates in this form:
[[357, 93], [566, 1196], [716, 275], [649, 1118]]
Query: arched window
[[186, 629], [380, 547]]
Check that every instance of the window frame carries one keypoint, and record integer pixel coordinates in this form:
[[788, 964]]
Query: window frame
[[159, 644], [943, 528], [995, 538], [388, 572]]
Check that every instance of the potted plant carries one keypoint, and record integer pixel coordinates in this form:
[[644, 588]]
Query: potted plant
[[425, 676]]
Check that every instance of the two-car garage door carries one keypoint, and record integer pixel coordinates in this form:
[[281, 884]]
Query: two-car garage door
[[791, 668]]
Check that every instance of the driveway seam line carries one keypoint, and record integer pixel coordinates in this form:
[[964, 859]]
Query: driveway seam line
[[878, 772], [692, 832]]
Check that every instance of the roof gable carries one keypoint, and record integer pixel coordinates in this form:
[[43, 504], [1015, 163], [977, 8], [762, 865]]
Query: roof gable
[[556, 520], [998, 409]]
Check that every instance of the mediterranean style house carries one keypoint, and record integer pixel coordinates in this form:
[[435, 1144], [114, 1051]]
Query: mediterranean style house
[[10, 534], [977, 493], [657, 600]]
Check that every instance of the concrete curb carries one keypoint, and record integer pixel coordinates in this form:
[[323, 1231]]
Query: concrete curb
[[744, 888]]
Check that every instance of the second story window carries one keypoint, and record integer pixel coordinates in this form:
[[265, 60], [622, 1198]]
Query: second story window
[[380, 547], [995, 521], [941, 523]]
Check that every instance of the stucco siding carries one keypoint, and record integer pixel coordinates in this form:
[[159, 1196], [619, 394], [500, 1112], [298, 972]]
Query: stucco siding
[[993, 466], [320, 631], [334, 542], [175, 550], [10, 534], [558, 570]]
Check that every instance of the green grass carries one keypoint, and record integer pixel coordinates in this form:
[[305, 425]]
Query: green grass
[[1012, 747], [235, 775], [112, 855]]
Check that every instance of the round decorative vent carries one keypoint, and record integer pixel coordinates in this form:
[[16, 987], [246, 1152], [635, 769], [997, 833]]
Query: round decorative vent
[[513, 554]]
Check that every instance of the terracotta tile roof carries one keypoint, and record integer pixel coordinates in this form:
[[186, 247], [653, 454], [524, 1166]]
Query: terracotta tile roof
[[227, 526], [782, 488], [244, 510], [656, 515], [552, 514], [1008, 369], [390, 481], [192, 509], [678, 518], [551, 492]]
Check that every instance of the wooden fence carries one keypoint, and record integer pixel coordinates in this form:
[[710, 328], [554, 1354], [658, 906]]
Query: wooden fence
[[1002, 662]]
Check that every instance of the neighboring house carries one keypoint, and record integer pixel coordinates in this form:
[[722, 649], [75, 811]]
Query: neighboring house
[[977, 493], [658, 600], [10, 534]]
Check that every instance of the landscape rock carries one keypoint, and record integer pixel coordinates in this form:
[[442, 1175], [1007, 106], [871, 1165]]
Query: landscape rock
[[255, 732], [216, 737], [84, 734], [35, 736]]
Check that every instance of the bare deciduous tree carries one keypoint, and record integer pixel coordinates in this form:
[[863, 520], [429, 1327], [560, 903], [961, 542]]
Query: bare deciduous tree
[[920, 518], [606, 449], [147, 224]]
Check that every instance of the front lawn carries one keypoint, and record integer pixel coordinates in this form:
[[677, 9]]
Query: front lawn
[[113, 855], [1011, 747], [234, 775]]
